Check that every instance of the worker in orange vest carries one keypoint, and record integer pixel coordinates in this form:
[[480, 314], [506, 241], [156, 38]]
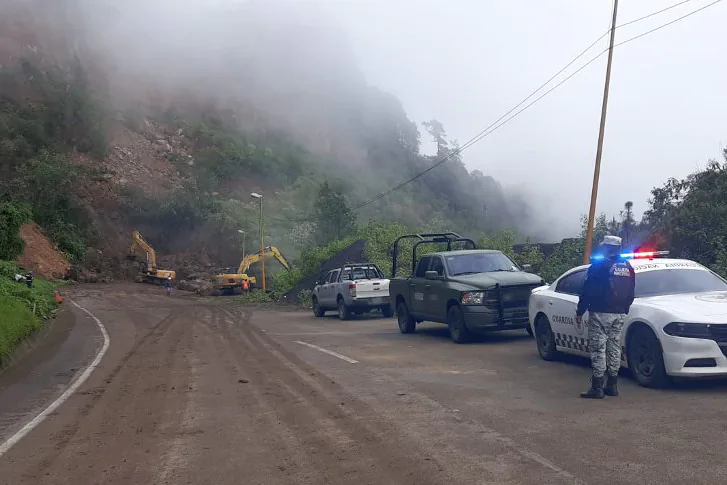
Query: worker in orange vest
[[245, 286]]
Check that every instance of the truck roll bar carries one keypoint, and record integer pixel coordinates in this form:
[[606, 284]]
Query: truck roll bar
[[432, 238]]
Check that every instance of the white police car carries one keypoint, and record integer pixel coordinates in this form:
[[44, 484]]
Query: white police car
[[677, 325]]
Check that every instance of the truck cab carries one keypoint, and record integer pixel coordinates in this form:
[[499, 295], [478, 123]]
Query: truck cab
[[471, 290]]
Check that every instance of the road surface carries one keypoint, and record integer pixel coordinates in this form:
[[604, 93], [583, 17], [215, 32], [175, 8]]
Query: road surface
[[204, 391]]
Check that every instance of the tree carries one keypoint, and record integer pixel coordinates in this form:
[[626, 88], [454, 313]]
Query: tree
[[627, 222], [334, 219], [689, 216]]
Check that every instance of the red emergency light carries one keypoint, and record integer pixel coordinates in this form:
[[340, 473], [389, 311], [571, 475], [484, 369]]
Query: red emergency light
[[644, 254]]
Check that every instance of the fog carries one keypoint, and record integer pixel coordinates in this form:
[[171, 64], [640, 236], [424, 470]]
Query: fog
[[465, 64], [469, 63]]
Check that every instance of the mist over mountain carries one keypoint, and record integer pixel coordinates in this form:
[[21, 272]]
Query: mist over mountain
[[280, 78]]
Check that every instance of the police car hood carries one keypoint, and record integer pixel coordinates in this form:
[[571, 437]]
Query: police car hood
[[689, 305], [503, 278]]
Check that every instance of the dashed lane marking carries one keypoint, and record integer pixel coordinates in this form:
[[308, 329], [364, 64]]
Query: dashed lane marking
[[329, 352], [30, 426]]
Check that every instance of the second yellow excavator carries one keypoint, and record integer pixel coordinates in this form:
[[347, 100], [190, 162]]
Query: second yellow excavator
[[227, 282], [149, 271]]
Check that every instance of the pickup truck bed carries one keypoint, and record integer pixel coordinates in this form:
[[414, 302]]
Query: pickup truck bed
[[352, 289]]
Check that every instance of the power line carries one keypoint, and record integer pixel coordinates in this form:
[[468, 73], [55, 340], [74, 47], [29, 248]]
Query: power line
[[653, 14], [668, 23], [506, 118]]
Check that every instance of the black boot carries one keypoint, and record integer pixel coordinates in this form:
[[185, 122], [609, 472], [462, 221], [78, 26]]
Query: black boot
[[596, 390], [611, 388]]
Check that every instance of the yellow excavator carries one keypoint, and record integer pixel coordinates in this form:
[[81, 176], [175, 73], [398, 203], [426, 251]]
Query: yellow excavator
[[227, 282], [149, 271]]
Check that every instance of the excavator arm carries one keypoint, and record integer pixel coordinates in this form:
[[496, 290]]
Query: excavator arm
[[137, 240], [254, 258]]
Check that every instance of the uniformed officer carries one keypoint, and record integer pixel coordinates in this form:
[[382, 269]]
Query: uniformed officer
[[607, 295]]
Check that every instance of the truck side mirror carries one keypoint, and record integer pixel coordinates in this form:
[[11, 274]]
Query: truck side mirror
[[431, 275], [528, 268]]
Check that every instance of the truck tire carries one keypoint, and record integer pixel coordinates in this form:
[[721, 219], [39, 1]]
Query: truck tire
[[344, 313], [458, 331], [406, 322], [317, 310], [387, 312]]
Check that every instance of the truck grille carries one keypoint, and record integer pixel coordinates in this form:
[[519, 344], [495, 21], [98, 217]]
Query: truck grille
[[512, 297]]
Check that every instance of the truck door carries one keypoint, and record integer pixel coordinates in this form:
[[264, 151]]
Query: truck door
[[418, 287], [321, 289], [331, 287], [433, 291]]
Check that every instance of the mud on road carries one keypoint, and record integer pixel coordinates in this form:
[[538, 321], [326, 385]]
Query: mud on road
[[193, 393], [195, 390]]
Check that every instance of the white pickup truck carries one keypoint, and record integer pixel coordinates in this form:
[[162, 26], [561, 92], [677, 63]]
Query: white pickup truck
[[352, 289]]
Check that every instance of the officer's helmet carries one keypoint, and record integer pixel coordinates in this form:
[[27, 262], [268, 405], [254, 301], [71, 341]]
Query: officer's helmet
[[611, 245]]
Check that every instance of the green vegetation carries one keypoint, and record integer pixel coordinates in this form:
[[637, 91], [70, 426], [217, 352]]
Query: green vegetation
[[12, 216], [689, 216], [44, 114], [21, 308]]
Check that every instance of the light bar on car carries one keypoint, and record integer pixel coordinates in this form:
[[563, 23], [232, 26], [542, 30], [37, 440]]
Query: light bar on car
[[634, 255], [644, 254]]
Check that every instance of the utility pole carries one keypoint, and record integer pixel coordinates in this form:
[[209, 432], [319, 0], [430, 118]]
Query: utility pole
[[599, 150]]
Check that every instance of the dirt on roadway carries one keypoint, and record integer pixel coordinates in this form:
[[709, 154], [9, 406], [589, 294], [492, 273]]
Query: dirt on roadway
[[203, 391], [191, 392]]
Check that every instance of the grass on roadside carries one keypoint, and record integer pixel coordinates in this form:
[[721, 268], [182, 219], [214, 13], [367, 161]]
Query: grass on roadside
[[17, 304]]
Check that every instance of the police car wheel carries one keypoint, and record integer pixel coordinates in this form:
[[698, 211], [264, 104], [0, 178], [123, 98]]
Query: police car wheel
[[645, 358], [406, 322], [545, 339], [458, 331]]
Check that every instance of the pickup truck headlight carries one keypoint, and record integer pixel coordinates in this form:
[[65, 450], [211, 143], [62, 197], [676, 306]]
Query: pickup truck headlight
[[689, 330], [472, 297]]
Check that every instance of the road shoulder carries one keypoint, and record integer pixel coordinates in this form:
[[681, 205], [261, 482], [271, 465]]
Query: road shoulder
[[45, 366]]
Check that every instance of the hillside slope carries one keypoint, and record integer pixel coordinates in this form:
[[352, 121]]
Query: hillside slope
[[169, 130]]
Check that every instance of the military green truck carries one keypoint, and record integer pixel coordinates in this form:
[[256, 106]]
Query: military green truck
[[471, 290]]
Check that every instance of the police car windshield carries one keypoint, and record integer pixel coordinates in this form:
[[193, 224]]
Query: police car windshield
[[676, 281], [473, 263]]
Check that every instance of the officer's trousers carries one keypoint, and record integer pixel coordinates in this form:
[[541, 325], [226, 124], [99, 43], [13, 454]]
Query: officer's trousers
[[604, 342]]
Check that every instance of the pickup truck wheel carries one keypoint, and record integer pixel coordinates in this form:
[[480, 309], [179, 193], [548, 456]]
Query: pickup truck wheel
[[458, 330], [406, 322], [387, 312], [317, 310], [344, 313]]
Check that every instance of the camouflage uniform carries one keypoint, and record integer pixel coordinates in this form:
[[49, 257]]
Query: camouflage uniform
[[604, 342]]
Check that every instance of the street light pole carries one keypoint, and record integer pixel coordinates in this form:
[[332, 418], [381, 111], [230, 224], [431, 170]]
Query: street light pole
[[262, 238], [244, 234], [599, 150]]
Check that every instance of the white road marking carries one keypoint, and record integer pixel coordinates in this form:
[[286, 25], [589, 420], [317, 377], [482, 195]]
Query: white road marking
[[13, 440], [329, 352]]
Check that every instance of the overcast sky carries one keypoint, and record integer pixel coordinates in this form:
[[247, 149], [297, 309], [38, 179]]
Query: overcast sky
[[467, 62]]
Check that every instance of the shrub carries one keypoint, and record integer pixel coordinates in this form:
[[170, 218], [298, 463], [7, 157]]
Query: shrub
[[12, 216]]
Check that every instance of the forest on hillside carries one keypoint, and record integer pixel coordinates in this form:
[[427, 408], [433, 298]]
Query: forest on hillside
[[268, 103]]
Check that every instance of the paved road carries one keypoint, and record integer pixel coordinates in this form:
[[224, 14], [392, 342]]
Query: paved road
[[204, 391]]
